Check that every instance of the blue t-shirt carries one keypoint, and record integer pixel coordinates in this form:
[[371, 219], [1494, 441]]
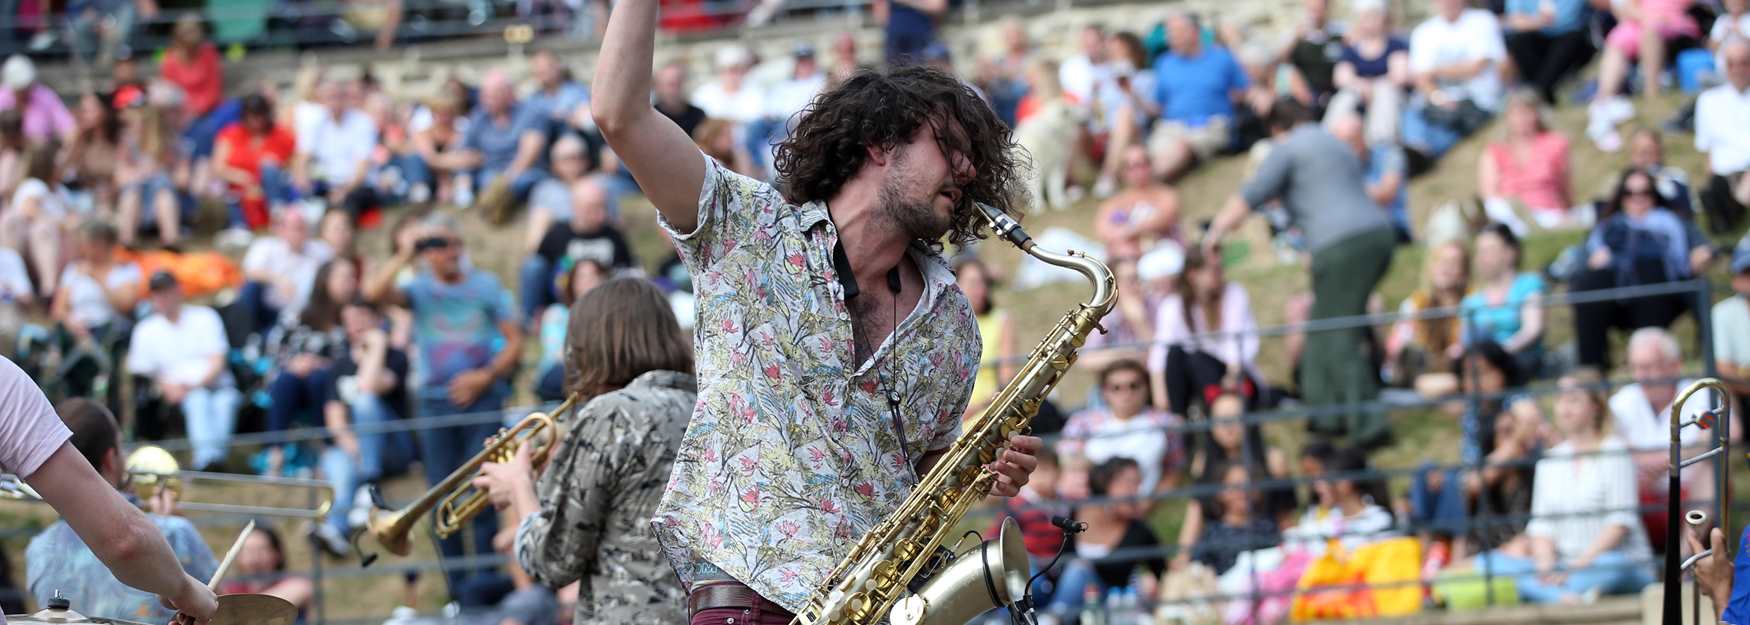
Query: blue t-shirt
[[560, 103], [497, 143], [455, 326], [1570, 14], [1738, 607], [58, 560], [1498, 323], [1196, 89], [1376, 66]]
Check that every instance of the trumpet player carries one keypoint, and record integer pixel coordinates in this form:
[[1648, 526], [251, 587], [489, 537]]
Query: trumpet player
[[34, 445], [630, 370], [835, 352], [58, 560]]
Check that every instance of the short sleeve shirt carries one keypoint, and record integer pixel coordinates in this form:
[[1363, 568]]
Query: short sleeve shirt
[[57, 560], [497, 143], [1499, 323], [793, 453], [29, 429], [1732, 331], [455, 326]]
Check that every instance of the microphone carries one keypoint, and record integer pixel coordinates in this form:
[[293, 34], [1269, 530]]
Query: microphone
[[1069, 525]]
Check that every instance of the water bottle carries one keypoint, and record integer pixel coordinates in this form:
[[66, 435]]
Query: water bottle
[[1092, 612], [1115, 606]]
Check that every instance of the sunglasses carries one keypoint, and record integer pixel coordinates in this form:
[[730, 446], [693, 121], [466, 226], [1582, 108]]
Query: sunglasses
[[1637, 192], [1129, 386]]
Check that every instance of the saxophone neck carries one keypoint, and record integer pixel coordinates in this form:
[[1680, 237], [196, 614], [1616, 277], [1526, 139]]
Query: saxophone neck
[[1098, 275]]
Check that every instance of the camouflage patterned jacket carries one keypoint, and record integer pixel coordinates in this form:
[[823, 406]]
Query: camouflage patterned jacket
[[597, 495]]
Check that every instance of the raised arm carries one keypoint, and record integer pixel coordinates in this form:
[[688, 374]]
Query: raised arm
[[664, 160]]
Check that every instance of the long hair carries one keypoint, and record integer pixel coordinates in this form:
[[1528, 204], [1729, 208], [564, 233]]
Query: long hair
[[322, 313], [1621, 192], [1196, 259], [619, 331], [157, 136], [883, 111]]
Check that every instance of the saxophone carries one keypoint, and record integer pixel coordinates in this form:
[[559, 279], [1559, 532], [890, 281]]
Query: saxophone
[[879, 573]]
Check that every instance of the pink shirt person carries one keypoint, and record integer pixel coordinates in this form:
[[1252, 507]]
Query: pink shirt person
[[45, 116]]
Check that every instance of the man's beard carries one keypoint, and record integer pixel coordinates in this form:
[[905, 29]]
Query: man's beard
[[917, 219]]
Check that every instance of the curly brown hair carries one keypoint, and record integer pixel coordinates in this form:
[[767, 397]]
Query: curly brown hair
[[885, 110]]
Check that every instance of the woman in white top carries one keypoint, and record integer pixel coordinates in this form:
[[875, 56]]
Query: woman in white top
[[1584, 536], [1205, 336], [34, 221]]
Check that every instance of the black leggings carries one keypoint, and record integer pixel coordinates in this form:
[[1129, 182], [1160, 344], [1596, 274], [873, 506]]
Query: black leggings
[[1546, 60], [1193, 376]]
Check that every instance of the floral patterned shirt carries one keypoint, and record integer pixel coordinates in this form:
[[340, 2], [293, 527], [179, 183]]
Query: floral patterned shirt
[[794, 452]]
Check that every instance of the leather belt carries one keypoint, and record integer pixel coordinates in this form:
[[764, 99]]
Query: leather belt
[[728, 594]]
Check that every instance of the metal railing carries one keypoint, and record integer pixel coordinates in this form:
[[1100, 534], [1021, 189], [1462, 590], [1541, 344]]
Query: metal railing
[[1699, 289]]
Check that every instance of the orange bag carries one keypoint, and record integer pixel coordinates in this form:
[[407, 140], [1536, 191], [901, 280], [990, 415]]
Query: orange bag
[[199, 273], [1340, 585]]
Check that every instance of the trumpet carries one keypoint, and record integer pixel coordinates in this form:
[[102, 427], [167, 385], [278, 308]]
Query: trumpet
[[1716, 417], [455, 498], [151, 469]]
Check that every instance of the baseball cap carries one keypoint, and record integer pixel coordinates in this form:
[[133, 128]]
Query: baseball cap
[[18, 72], [803, 50], [161, 281]]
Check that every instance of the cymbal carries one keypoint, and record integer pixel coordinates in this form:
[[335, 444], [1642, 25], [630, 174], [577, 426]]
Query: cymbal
[[254, 609]]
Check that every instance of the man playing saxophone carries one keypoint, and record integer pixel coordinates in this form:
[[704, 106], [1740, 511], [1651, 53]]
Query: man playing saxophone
[[629, 370], [835, 353]]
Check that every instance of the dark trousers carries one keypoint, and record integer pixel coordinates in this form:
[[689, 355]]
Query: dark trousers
[[1593, 321], [1724, 213], [1546, 60], [1337, 365], [1190, 376], [441, 451], [294, 396]]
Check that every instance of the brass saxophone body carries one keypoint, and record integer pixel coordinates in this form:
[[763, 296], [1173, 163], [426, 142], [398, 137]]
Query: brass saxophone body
[[875, 577]]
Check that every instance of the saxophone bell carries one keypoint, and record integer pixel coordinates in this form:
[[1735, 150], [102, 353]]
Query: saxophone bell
[[991, 575]]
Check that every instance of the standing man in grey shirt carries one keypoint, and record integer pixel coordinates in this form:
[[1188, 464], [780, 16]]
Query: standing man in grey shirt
[[1322, 184]]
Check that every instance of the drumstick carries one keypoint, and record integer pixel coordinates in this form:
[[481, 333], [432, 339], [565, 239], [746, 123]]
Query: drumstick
[[230, 556]]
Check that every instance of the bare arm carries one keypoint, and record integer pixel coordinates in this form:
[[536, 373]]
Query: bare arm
[[1488, 182], [1398, 68], [528, 150], [380, 288], [504, 363], [663, 159], [118, 533], [1230, 217], [1530, 325], [223, 169], [1345, 78]]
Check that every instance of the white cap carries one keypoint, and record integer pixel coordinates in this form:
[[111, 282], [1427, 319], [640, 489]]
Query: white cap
[[18, 72], [1365, 6], [1164, 261], [732, 56]]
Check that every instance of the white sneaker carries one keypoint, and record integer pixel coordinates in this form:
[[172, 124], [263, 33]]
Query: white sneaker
[[234, 238], [1604, 136], [1105, 187], [360, 514], [1617, 110]]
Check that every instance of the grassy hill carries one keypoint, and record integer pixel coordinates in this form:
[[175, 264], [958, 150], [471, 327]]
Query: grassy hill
[[1422, 435]]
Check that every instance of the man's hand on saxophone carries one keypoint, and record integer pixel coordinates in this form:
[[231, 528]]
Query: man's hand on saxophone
[[1016, 465]]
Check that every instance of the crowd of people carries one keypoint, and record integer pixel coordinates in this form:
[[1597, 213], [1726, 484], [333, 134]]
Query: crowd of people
[[110, 290]]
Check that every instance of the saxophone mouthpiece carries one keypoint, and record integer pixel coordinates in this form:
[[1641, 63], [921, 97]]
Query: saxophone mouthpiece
[[1004, 225]]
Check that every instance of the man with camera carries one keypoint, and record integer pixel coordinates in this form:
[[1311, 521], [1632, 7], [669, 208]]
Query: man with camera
[[468, 333]]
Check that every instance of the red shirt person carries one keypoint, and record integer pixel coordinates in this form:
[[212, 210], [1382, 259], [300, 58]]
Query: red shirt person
[[241, 154], [192, 63]]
